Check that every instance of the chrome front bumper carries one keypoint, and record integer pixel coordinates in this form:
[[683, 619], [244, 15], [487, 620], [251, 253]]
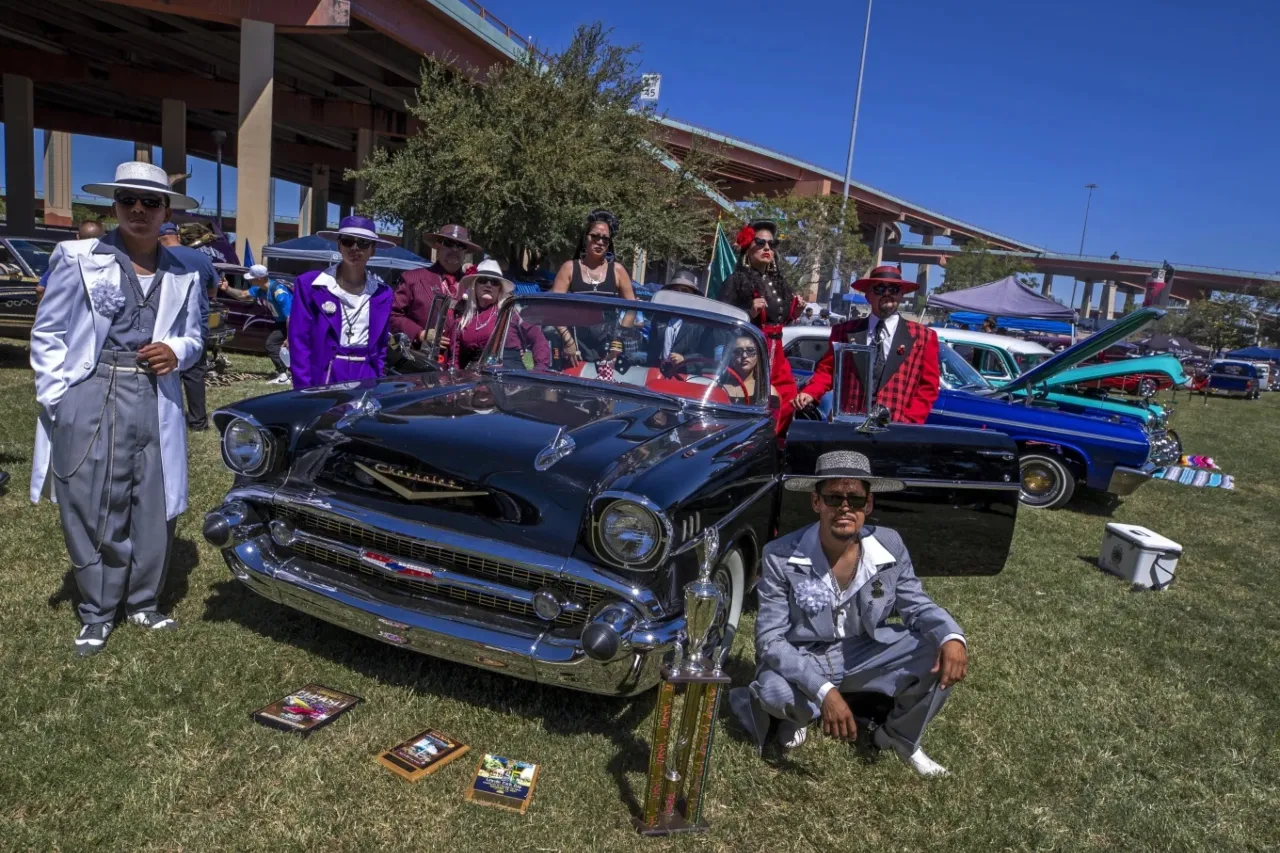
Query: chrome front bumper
[[1125, 481], [444, 630]]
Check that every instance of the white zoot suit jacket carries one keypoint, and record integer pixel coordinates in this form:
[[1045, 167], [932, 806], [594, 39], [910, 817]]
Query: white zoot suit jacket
[[67, 339]]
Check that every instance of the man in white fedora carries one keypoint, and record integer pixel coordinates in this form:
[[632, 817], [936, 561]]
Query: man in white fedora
[[120, 319], [825, 594]]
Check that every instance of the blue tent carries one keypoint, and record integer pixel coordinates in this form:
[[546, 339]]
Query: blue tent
[[1256, 354], [313, 248], [975, 319]]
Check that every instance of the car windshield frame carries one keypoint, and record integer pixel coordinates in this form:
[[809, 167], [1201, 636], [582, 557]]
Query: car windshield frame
[[957, 363], [22, 247], [491, 357]]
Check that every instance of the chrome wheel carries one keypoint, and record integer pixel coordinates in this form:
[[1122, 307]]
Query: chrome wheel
[[1046, 482]]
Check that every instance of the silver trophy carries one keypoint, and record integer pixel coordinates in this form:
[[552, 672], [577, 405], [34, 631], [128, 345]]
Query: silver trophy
[[703, 603]]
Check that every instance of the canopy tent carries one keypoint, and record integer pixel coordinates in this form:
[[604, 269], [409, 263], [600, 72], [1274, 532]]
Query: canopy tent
[[974, 319], [1003, 298], [1171, 343], [313, 248], [1256, 354]]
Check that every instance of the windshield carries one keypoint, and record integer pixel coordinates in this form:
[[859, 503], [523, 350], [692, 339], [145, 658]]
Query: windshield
[[35, 252], [670, 351], [1028, 360], [958, 374]]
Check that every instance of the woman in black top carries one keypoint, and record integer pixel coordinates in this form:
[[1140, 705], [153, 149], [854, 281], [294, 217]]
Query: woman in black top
[[593, 270]]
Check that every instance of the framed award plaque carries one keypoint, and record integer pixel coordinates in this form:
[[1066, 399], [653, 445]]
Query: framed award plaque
[[504, 783], [422, 754], [305, 710]]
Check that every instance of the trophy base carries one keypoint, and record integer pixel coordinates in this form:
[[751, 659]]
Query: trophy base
[[674, 825], [675, 676]]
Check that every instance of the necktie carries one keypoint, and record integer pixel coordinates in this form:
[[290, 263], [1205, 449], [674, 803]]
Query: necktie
[[877, 356]]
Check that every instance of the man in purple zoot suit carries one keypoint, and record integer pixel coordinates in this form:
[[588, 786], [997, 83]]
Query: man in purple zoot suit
[[340, 324]]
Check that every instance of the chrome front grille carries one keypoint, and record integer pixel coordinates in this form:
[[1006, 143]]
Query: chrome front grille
[[511, 574]]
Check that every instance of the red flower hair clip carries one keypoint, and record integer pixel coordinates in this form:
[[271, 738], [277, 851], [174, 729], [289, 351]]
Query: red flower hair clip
[[745, 236], [471, 269]]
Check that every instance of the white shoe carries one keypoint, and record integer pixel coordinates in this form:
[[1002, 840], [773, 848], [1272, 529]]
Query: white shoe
[[282, 379], [790, 735], [923, 764]]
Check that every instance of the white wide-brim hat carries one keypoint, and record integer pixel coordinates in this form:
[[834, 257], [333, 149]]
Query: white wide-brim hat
[[844, 465], [355, 226], [488, 269], [142, 177]]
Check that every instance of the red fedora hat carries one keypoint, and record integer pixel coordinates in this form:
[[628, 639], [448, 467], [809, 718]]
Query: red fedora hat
[[887, 274], [456, 233]]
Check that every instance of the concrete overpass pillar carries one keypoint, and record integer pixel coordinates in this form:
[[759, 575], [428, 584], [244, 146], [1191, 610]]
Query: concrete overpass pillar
[[142, 152], [253, 141], [19, 154], [305, 228], [173, 140], [344, 210], [319, 197], [1107, 309], [57, 177], [877, 248], [1128, 302], [1046, 288], [922, 275], [366, 140], [1086, 300]]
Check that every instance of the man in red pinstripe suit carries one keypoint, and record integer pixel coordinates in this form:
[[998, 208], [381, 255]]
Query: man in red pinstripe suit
[[905, 361]]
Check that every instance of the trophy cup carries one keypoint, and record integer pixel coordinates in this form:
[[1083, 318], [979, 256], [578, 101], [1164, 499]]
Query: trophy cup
[[680, 757]]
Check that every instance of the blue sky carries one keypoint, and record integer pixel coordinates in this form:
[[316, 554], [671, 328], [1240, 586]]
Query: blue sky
[[993, 111]]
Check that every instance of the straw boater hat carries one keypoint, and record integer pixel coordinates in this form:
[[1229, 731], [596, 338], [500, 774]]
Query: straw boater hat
[[142, 177], [355, 226], [456, 233], [887, 274], [844, 465], [487, 269]]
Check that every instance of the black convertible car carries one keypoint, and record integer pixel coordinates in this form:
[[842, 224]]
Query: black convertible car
[[539, 519]]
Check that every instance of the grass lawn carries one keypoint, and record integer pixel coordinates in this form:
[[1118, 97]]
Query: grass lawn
[[1093, 718]]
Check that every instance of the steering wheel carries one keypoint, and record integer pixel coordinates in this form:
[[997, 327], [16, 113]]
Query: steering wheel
[[672, 369]]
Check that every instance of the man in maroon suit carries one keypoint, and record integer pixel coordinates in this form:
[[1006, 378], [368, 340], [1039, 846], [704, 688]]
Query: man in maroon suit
[[904, 365], [417, 288]]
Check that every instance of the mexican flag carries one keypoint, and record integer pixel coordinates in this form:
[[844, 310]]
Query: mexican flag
[[723, 260]]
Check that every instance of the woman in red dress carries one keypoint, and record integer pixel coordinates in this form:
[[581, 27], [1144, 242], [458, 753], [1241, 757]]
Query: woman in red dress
[[758, 288]]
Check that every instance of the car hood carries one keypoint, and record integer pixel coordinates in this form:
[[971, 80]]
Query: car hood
[[1089, 347], [528, 453], [1164, 365]]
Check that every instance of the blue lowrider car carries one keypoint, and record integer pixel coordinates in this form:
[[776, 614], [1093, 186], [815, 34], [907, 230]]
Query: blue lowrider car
[[1058, 450], [1235, 379]]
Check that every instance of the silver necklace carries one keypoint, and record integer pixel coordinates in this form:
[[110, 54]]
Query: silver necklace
[[493, 314], [591, 278]]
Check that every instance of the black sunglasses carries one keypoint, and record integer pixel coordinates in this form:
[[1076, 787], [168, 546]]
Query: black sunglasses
[[355, 242], [761, 242], [601, 238], [446, 243], [150, 202], [745, 352], [886, 289], [490, 281], [835, 499]]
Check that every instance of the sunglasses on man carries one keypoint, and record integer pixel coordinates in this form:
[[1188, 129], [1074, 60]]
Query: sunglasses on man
[[761, 242], [837, 499], [349, 242], [886, 290], [446, 243], [150, 202]]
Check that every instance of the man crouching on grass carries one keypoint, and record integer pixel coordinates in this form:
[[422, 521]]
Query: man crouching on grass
[[825, 592]]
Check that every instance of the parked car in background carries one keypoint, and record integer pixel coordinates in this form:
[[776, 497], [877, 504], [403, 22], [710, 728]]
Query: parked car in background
[[1235, 379], [22, 261], [999, 358], [542, 522]]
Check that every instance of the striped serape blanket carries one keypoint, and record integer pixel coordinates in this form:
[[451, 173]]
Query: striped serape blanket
[[1194, 477], [1205, 462]]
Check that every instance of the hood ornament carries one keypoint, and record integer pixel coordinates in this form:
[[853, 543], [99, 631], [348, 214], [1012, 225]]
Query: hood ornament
[[367, 405], [560, 447]]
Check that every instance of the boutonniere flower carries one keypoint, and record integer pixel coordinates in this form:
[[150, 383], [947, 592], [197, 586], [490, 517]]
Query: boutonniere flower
[[902, 349], [812, 595], [328, 307], [106, 297]]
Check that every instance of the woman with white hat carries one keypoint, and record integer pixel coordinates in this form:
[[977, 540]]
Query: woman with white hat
[[339, 326], [525, 347]]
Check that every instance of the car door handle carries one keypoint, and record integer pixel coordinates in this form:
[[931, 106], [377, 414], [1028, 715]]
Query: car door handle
[[999, 454]]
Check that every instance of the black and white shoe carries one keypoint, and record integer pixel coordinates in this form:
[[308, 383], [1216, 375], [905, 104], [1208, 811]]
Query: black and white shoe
[[153, 621], [92, 638]]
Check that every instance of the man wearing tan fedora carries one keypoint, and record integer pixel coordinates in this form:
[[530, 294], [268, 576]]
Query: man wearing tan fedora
[[410, 312]]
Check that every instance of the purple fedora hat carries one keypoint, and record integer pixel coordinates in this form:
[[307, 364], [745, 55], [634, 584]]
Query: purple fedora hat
[[355, 226]]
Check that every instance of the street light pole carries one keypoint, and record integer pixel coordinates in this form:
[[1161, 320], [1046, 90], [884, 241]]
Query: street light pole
[[1088, 201], [837, 282], [219, 137]]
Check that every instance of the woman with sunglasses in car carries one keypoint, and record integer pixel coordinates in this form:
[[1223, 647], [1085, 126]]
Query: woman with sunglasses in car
[[526, 346], [339, 327], [758, 288], [594, 270], [742, 375]]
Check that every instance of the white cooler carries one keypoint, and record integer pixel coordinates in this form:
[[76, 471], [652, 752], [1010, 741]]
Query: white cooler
[[1141, 556]]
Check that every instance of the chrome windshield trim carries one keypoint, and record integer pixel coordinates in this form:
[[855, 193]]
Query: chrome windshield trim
[[329, 503], [765, 489]]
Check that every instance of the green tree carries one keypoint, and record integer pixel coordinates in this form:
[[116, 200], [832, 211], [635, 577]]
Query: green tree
[[809, 227], [1222, 322], [521, 158], [976, 264]]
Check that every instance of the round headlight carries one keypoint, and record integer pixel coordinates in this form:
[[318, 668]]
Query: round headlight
[[244, 447], [629, 532]]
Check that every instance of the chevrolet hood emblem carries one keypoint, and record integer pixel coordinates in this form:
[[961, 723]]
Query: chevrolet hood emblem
[[394, 479]]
